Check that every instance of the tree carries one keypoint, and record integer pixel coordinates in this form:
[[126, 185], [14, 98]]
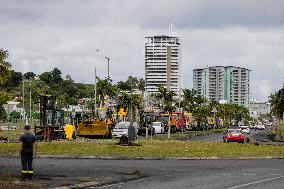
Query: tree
[[105, 88], [46, 77], [4, 67], [166, 99], [3, 100], [132, 82], [15, 79], [123, 86], [56, 76], [15, 115], [124, 100], [189, 98], [29, 75], [277, 103], [141, 84]]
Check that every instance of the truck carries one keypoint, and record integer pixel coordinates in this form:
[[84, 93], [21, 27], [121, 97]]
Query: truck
[[176, 120]]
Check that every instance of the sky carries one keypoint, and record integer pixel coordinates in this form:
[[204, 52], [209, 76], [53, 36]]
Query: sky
[[43, 34]]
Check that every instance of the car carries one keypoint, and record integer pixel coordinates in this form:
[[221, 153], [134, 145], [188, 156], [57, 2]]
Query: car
[[234, 135], [121, 128], [260, 127], [159, 127], [252, 126], [245, 129]]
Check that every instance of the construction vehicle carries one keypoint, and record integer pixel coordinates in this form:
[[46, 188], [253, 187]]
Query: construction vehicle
[[95, 129], [189, 120], [51, 120], [177, 121], [99, 127]]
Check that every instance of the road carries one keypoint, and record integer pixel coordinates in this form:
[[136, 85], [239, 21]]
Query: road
[[262, 137], [156, 174]]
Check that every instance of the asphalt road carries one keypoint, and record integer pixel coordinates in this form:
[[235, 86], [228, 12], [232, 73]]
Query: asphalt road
[[262, 137], [156, 174]]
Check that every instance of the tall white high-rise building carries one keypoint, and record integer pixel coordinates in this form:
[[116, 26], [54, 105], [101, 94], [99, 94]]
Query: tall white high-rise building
[[228, 83], [162, 63]]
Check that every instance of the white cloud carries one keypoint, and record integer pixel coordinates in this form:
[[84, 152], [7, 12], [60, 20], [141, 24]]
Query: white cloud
[[264, 87], [41, 35]]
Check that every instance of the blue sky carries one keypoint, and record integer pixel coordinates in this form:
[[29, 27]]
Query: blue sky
[[41, 35]]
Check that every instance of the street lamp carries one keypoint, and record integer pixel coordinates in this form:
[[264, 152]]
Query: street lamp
[[23, 99], [108, 60], [30, 104], [214, 111]]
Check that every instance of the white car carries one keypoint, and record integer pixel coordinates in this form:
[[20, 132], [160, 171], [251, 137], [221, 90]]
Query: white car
[[260, 127], [121, 128], [245, 129], [159, 127]]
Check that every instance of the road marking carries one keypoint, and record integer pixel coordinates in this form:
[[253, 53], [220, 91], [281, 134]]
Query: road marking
[[274, 174], [119, 183], [249, 174], [256, 182]]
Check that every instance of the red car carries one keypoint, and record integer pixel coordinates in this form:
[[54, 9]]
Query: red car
[[234, 135]]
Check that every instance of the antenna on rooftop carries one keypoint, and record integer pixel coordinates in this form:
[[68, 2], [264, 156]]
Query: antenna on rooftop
[[171, 29]]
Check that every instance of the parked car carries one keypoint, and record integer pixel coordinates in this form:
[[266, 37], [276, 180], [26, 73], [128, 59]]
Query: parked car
[[252, 127], [245, 129], [234, 135], [159, 127], [260, 127], [121, 128]]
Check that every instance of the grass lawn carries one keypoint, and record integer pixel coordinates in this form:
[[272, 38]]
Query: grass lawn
[[151, 149], [187, 135]]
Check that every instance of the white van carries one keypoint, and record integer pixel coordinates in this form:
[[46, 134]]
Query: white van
[[121, 128], [159, 127]]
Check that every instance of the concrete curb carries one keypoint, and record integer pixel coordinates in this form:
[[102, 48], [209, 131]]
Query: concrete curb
[[147, 158]]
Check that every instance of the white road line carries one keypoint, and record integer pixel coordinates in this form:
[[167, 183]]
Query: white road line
[[249, 174], [274, 174], [119, 184], [256, 182]]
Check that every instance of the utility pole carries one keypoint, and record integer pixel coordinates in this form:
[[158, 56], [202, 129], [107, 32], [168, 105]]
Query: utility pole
[[30, 106], [95, 108], [23, 99]]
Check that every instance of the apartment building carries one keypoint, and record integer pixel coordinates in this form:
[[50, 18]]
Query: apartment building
[[226, 83], [162, 63]]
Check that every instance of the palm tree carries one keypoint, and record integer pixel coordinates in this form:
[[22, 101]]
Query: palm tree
[[105, 88], [4, 67], [166, 99], [189, 97]]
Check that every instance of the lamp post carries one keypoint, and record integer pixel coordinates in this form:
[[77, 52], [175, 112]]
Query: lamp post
[[108, 60], [214, 111], [23, 99], [95, 106], [30, 104]]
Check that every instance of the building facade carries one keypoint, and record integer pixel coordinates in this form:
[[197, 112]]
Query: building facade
[[162, 63], [223, 83], [257, 109]]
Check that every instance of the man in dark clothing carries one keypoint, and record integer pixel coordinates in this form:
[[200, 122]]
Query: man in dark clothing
[[26, 152]]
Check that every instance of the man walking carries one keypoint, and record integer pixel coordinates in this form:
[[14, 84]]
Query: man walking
[[26, 152]]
